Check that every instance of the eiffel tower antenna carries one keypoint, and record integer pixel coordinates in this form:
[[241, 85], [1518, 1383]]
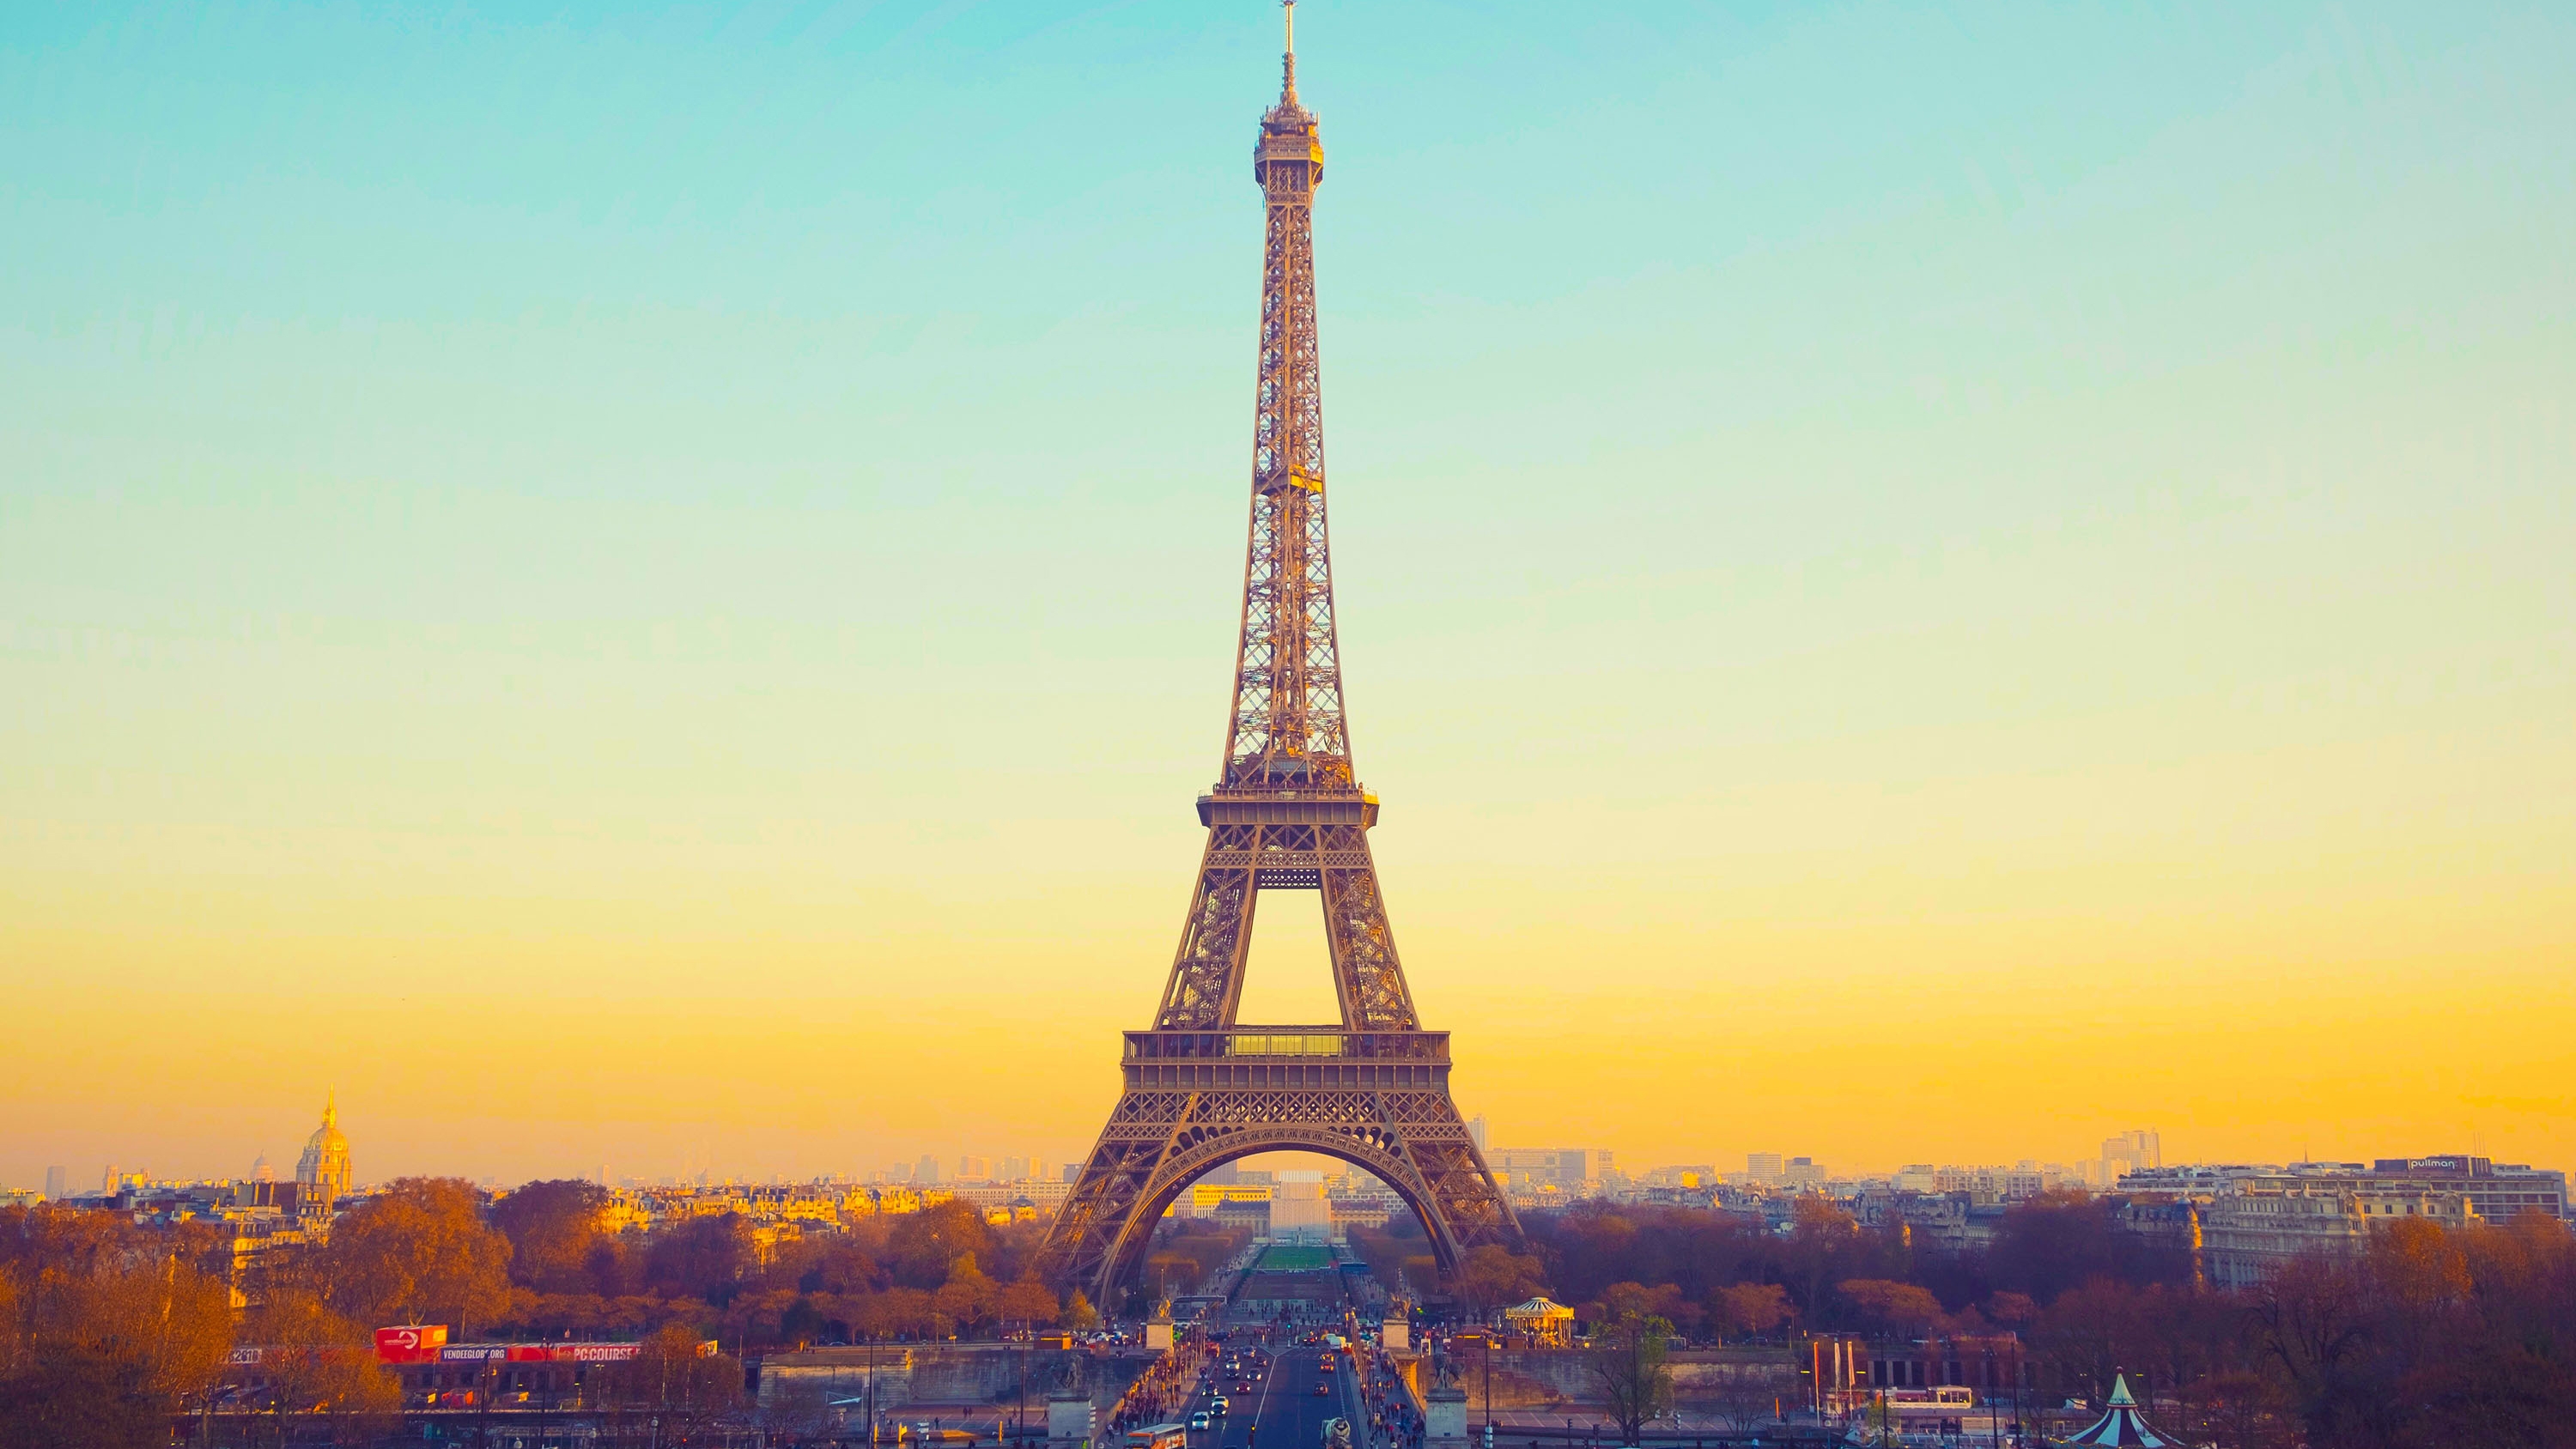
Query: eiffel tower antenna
[[1286, 813], [1288, 55]]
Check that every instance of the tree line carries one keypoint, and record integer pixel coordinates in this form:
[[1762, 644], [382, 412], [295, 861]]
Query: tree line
[[108, 1328], [2424, 1337]]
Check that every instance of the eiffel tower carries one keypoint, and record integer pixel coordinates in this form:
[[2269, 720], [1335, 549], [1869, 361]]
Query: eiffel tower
[[1287, 813]]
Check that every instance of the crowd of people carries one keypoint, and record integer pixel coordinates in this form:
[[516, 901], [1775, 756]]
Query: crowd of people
[[1394, 1422], [1168, 1384]]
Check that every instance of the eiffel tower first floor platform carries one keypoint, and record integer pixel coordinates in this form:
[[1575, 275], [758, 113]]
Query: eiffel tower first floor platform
[[1196, 1100]]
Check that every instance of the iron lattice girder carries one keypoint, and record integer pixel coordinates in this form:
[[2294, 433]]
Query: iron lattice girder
[[1158, 1142], [1287, 729], [1242, 860], [1287, 814]]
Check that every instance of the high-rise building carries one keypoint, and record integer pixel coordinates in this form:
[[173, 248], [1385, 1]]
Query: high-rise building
[[971, 1168], [1762, 1166], [1573, 1170], [926, 1170], [1476, 1131], [2136, 1150], [57, 1182]]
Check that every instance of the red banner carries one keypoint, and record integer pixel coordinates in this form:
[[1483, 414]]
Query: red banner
[[411, 1342], [533, 1353]]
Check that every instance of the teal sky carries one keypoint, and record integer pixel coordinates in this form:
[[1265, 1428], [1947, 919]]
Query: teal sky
[[1983, 510]]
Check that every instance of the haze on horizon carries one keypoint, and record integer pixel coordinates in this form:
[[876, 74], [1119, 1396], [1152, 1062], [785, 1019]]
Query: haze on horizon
[[655, 586]]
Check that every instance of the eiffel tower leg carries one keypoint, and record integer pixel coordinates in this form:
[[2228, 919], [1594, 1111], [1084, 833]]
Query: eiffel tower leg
[[1365, 969], [1158, 1142], [1099, 1214], [1207, 971], [1469, 1203]]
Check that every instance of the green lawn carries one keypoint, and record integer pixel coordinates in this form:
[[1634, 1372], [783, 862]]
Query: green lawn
[[1290, 1258]]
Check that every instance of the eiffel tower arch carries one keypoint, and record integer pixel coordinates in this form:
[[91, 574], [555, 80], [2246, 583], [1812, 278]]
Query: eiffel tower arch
[[1201, 1089]]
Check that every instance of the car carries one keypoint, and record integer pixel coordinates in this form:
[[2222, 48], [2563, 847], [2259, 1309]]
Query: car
[[1198, 1421], [1219, 1407], [1321, 1389]]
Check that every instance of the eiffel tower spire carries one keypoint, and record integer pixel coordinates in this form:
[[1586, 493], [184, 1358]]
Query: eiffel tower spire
[[1287, 729], [1288, 56], [1286, 813], [1287, 810]]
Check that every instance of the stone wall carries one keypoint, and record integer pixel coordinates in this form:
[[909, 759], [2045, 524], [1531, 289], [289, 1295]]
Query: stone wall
[[950, 1374], [1542, 1378]]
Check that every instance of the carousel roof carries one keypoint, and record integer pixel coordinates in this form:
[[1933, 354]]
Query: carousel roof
[[1539, 1308], [2122, 1425]]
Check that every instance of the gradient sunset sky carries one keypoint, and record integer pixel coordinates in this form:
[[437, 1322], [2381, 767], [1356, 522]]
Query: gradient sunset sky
[[655, 587]]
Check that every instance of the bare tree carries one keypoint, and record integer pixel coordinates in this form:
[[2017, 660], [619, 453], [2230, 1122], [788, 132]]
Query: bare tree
[[1627, 1361]]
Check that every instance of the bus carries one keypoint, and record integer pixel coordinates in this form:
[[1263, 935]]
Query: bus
[[1158, 1436]]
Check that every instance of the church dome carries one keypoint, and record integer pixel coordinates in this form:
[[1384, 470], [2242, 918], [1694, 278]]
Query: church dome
[[325, 1164]]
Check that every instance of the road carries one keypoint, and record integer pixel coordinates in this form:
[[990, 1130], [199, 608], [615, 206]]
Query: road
[[1284, 1406]]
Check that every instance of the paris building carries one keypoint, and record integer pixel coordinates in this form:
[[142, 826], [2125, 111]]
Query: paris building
[[322, 1173]]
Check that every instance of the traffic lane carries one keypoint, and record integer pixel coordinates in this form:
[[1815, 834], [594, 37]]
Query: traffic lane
[[1224, 1431], [1247, 1391], [1294, 1415]]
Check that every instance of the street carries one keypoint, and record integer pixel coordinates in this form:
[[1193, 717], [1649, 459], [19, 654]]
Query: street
[[1282, 1409]]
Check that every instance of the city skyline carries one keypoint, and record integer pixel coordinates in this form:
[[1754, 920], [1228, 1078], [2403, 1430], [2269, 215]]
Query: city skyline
[[986, 1163], [2010, 565]]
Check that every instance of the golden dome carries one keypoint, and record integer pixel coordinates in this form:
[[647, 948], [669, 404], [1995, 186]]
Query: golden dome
[[325, 1164]]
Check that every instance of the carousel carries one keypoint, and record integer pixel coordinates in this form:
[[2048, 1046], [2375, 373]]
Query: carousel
[[2121, 1424], [1545, 1323]]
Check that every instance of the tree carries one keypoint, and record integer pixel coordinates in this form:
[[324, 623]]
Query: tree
[[1494, 1276], [705, 1257], [1079, 1315], [1027, 1302], [968, 1298], [101, 1340], [841, 1267], [1752, 1309], [82, 1395], [679, 1377], [2061, 1240], [317, 1362], [553, 1226], [418, 1252], [1821, 1236], [1891, 1306], [897, 1312], [2314, 1316], [2012, 1310], [923, 1244], [1626, 1362]]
